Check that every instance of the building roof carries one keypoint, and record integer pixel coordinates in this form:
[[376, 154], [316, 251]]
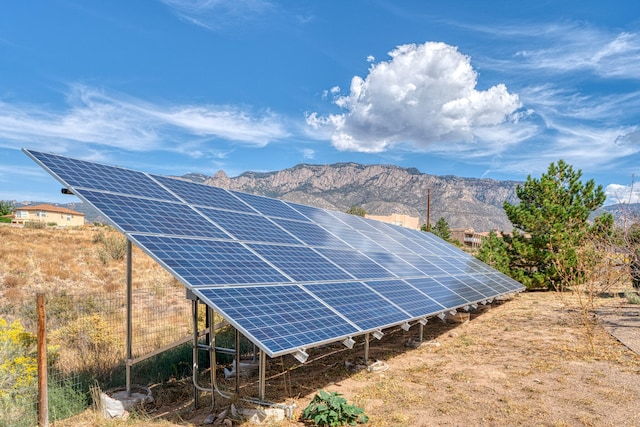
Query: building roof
[[48, 208]]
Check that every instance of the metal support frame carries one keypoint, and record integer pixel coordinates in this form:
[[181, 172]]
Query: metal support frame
[[366, 348], [129, 322], [194, 317], [237, 366]]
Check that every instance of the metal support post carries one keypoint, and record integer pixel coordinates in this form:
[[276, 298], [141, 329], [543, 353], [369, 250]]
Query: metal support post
[[366, 348], [129, 355], [194, 315], [237, 362], [263, 368]]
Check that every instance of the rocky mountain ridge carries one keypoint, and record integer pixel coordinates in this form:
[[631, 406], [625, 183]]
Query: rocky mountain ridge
[[383, 190]]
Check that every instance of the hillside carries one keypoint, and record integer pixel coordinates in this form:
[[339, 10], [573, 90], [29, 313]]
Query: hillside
[[383, 190]]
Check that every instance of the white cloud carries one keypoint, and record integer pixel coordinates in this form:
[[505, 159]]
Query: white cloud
[[617, 193], [424, 96], [127, 123], [308, 154]]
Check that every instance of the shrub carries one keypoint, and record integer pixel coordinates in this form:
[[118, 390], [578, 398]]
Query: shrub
[[112, 246], [632, 297], [18, 375], [331, 409], [35, 224]]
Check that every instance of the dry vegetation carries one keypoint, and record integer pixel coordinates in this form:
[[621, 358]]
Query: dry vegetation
[[85, 292], [525, 361]]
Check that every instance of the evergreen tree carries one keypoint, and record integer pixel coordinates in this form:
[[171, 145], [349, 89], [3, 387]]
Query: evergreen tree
[[551, 222], [356, 210], [6, 207], [495, 252], [441, 229]]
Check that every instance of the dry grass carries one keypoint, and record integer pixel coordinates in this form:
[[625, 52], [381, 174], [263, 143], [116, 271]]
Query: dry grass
[[85, 295], [518, 362]]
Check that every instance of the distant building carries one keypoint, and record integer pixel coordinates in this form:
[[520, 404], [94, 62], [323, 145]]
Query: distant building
[[468, 237], [398, 219], [48, 214], [471, 238]]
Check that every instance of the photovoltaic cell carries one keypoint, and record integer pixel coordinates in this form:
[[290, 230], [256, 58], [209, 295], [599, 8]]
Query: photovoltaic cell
[[360, 304], [135, 214], [202, 262], [460, 288], [441, 294], [282, 318], [288, 276], [356, 264], [247, 227], [395, 264], [301, 263], [407, 297], [203, 195], [81, 174], [270, 207], [310, 233]]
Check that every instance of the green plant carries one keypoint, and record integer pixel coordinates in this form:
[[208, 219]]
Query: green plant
[[331, 409], [551, 221], [35, 224], [6, 207], [113, 246], [632, 297], [441, 229], [18, 370], [356, 210]]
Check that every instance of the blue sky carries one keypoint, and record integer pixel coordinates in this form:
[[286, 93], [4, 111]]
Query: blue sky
[[495, 89]]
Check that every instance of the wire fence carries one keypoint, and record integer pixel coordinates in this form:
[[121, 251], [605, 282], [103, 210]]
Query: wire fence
[[86, 346]]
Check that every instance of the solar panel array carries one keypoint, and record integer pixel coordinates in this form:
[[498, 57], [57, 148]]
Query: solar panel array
[[287, 276]]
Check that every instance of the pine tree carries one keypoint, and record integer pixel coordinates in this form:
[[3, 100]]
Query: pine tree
[[551, 221], [441, 229]]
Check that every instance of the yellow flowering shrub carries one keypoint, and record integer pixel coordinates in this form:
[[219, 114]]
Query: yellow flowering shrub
[[18, 374], [18, 364]]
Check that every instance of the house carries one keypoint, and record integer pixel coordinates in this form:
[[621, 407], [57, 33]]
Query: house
[[398, 219], [48, 214]]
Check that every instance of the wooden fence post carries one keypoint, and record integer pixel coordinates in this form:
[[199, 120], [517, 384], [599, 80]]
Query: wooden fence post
[[43, 394]]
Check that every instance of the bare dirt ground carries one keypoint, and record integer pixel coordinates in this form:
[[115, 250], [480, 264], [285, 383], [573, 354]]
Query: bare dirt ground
[[525, 361]]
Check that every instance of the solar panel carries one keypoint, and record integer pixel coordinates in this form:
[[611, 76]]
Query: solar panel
[[203, 195], [81, 174], [302, 264], [288, 276], [279, 317], [407, 297], [310, 233], [270, 207], [200, 262], [248, 227], [360, 304], [356, 264], [135, 214]]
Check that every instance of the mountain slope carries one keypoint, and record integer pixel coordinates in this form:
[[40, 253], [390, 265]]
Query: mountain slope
[[383, 190]]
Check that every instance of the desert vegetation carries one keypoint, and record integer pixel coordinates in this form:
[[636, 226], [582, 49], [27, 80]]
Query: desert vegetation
[[82, 275]]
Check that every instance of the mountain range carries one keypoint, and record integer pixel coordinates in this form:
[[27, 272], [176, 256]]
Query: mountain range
[[382, 190]]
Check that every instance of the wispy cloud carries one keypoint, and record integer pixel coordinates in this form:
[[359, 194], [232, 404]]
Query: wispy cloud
[[566, 47], [215, 15], [121, 122]]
